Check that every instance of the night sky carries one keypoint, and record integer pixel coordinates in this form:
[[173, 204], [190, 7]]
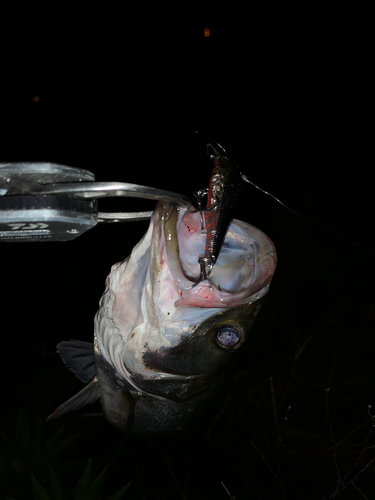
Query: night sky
[[119, 90]]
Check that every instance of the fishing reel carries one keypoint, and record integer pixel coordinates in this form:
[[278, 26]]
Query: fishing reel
[[53, 202]]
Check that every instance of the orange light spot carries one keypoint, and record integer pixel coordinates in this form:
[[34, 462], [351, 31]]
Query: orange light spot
[[207, 32], [35, 98]]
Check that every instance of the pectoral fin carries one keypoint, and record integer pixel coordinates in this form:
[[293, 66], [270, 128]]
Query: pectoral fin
[[79, 358], [89, 394]]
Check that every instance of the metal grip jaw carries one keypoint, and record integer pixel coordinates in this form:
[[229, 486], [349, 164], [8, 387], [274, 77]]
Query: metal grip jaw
[[52, 202]]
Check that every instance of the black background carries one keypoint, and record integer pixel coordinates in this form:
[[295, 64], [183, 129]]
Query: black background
[[289, 93]]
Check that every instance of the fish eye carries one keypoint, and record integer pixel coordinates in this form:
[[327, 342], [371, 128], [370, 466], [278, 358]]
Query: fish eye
[[227, 337]]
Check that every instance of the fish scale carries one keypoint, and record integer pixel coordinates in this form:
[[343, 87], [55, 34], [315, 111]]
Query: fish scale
[[159, 355], [158, 358]]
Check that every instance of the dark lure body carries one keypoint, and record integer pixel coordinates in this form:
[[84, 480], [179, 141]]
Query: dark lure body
[[223, 193]]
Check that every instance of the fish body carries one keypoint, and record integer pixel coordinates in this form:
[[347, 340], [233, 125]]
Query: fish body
[[160, 345]]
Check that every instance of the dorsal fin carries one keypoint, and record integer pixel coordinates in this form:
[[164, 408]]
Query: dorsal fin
[[79, 358]]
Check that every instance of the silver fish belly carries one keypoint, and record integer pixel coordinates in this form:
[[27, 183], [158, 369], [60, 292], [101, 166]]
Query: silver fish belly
[[159, 344]]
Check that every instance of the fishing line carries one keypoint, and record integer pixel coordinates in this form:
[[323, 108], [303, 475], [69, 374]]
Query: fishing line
[[301, 215], [286, 206]]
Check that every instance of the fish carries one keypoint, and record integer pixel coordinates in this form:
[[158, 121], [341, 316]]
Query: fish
[[161, 346]]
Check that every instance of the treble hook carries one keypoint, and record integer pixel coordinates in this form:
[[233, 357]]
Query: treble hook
[[199, 196], [204, 262]]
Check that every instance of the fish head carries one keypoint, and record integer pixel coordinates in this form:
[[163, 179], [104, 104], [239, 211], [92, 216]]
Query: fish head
[[164, 338]]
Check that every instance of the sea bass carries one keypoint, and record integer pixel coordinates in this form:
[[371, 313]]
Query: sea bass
[[160, 344]]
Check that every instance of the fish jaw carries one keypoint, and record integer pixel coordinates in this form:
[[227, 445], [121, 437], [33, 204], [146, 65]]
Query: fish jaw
[[159, 343], [147, 312]]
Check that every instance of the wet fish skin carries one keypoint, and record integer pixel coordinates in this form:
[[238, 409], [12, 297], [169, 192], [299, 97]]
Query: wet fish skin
[[159, 349], [182, 396]]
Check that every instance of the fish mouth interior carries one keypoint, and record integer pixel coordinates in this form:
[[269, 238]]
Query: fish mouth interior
[[235, 263], [240, 264]]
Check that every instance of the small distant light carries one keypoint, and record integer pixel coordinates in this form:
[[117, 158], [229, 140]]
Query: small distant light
[[35, 98], [207, 32]]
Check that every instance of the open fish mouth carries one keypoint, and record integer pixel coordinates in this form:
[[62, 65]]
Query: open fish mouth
[[242, 272], [149, 302], [159, 342], [156, 279]]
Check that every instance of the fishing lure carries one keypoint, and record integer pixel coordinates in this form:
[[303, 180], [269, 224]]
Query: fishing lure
[[222, 194], [224, 189]]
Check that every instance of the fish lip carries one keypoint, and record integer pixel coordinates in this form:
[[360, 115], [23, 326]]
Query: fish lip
[[170, 221]]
